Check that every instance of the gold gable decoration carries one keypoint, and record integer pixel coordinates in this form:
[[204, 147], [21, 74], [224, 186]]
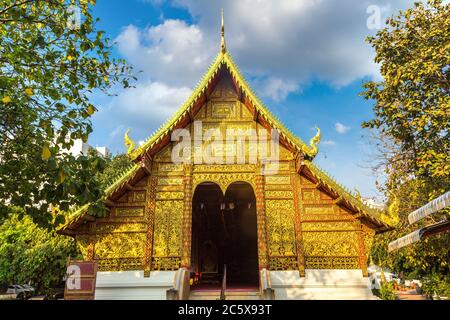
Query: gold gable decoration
[[225, 59]]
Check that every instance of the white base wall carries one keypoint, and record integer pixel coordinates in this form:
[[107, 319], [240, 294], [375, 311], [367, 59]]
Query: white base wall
[[288, 285], [321, 285], [132, 285]]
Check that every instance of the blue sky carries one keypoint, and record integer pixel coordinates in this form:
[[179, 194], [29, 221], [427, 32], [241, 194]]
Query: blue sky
[[306, 60]]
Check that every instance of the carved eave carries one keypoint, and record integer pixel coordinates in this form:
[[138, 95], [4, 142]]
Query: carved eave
[[122, 183], [344, 198]]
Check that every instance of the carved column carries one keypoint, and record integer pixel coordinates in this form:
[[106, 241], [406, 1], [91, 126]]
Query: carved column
[[295, 183], [362, 250], [186, 233], [261, 220], [90, 252], [150, 220]]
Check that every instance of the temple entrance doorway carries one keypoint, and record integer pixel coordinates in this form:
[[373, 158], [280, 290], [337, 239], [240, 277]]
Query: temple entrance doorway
[[224, 232]]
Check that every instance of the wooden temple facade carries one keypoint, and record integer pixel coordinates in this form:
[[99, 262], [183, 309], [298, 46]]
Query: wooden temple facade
[[303, 219]]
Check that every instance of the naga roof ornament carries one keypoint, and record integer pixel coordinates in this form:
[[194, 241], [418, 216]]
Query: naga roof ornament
[[314, 143], [130, 144]]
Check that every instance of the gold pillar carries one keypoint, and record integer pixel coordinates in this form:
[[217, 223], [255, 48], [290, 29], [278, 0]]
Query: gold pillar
[[362, 250], [150, 220], [295, 183], [263, 261], [90, 252], [186, 236]]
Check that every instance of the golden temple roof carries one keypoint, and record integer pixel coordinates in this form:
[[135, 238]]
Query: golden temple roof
[[225, 60]]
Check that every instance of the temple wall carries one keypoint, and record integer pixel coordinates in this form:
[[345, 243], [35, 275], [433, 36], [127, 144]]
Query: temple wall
[[132, 285], [118, 241], [280, 218], [332, 237], [300, 226], [322, 284]]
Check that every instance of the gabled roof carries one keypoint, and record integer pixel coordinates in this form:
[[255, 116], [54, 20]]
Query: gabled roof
[[161, 137], [224, 59]]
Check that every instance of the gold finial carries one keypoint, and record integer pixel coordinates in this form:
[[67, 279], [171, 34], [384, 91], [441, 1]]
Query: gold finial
[[129, 143], [222, 41], [314, 143]]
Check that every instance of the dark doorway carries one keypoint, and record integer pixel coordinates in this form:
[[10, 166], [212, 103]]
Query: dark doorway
[[224, 232]]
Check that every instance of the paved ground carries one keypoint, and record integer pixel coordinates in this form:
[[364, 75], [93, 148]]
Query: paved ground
[[409, 295]]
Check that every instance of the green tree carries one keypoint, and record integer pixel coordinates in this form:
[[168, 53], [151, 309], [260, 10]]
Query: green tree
[[29, 253], [51, 63], [114, 166], [412, 122]]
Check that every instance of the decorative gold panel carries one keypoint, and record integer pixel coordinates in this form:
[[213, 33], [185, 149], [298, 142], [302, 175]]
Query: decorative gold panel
[[330, 243], [130, 211], [280, 227], [278, 180], [120, 245], [170, 195], [170, 167], [327, 226], [166, 263], [368, 241], [217, 168], [120, 227], [167, 235], [83, 244], [332, 263], [283, 263], [119, 264], [324, 209], [282, 194], [170, 181], [308, 195], [139, 196], [281, 166], [223, 179], [274, 187], [224, 110], [327, 217]]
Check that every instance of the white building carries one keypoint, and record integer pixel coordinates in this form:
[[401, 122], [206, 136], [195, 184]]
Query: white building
[[82, 148]]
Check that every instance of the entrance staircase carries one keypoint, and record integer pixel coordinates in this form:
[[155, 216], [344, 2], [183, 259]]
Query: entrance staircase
[[229, 295]]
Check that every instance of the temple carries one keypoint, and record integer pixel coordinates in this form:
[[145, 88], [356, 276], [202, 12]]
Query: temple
[[279, 225]]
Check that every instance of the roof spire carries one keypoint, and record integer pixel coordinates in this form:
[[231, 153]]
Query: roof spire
[[222, 38]]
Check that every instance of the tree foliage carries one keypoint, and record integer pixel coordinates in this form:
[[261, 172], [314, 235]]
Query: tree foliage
[[32, 254], [412, 103], [51, 66], [412, 122], [114, 166]]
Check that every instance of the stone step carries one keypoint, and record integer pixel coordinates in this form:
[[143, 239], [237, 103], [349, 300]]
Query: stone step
[[229, 295]]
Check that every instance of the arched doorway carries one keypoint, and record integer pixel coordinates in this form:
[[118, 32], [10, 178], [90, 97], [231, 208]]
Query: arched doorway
[[224, 232]]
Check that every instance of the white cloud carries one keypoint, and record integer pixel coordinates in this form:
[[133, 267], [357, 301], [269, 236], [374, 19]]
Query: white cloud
[[341, 128], [295, 40], [277, 89], [280, 46], [149, 103], [142, 109], [172, 52], [286, 43], [329, 143]]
